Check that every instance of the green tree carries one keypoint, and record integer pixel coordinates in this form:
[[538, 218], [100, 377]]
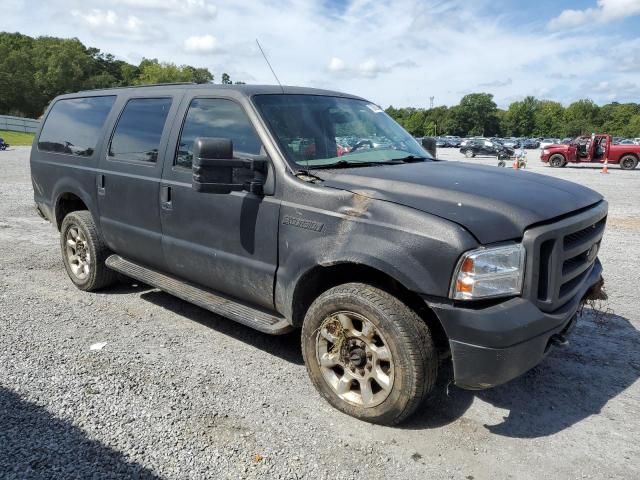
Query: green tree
[[581, 118], [549, 119], [226, 79], [520, 117], [477, 114]]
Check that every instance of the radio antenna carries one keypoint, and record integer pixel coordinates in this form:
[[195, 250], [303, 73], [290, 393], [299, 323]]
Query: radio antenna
[[270, 67]]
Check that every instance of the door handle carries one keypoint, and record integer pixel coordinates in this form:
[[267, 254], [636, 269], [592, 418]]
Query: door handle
[[165, 197], [101, 184]]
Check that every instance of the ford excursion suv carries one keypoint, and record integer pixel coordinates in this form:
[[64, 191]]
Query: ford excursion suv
[[287, 208]]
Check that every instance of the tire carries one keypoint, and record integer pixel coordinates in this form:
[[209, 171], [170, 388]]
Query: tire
[[501, 163], [628, 162], [469, 154], [84, 253], [402, 352], [557, 161]]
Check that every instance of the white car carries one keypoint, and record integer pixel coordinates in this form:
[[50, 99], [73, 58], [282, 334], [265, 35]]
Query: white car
[[549, 141]]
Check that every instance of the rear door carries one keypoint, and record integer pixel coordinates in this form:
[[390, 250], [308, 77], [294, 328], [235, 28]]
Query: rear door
[[128, 182], [227, 242]]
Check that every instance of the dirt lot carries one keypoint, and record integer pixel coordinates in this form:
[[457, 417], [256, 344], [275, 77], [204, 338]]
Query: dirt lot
[[177, 392]]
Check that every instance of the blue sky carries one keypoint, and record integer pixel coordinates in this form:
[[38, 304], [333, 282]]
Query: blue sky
[[392, 52]]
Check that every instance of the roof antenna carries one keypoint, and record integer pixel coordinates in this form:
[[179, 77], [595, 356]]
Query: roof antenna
[[270, 67]]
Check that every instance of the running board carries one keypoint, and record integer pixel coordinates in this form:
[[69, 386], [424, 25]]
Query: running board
[[214, 302]]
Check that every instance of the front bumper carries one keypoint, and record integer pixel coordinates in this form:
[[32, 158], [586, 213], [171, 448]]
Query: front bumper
[[490, 346]]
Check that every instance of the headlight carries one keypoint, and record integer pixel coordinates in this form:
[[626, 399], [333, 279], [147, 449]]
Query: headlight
[[545, 151], [489, 272]]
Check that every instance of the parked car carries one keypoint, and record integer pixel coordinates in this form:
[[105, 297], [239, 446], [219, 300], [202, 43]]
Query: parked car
[[454, 142], [477, 147], [566, 141], [386, 261], [442, 142], [549, 141], [598, 149], [511, 143], [626, 141], [3, 144], [530, 143]]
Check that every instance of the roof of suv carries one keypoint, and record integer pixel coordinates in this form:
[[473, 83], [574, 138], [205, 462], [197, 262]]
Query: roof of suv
[[243, 89]]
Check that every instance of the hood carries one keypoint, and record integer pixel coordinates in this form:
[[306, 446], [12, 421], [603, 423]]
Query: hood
[[494, 204]]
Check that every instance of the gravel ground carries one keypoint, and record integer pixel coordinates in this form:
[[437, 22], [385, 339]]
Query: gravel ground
[[179, 393]]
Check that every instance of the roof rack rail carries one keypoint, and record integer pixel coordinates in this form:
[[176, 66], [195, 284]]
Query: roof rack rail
[[141, 86]]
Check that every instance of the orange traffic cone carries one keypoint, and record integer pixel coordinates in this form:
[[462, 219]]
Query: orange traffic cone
[[605, 168], [516, 163]]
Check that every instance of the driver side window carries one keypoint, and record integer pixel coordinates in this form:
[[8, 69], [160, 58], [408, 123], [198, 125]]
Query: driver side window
[[216, 117]]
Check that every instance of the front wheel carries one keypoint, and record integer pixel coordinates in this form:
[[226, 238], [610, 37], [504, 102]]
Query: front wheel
[[501, 163], [368, 354], [469, 154], [557, 161]]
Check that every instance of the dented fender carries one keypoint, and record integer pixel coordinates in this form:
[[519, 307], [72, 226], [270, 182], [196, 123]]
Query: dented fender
[[416, 249]]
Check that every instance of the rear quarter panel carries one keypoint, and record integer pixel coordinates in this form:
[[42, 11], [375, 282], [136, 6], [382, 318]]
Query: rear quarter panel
[[616, 152]]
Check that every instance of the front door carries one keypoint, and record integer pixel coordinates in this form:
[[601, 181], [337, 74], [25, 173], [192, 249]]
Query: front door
[[227, 242], [128, 181]]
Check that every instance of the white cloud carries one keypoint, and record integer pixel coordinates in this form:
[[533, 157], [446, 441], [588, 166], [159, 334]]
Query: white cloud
[[201, 44], [336, 64], [369, 68], [606, 11], [199, 8], [109, 23]]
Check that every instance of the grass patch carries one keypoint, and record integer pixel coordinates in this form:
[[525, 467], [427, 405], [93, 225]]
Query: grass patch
[[16, 138]]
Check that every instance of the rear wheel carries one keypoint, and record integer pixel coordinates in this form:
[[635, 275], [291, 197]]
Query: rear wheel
[[469, 154], [557, 161], [628, 162], [368, 354], [84, 253]]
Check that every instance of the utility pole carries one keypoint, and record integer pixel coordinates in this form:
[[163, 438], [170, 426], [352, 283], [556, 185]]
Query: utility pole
[[431, 102]]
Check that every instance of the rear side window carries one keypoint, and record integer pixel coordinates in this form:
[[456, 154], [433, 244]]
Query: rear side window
[[216, 117], [74, 125], [139, 130]]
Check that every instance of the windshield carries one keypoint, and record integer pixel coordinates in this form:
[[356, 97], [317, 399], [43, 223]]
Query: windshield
[[320, 131]]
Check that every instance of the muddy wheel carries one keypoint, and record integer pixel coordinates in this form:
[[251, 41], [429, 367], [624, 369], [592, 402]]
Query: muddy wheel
[[628, 162], [368, 354], [557, 161], [83, 252]]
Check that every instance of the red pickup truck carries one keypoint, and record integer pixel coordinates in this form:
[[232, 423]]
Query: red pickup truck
[[592, 149]]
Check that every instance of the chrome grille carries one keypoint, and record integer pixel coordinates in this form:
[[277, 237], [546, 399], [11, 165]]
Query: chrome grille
[[561, 255]]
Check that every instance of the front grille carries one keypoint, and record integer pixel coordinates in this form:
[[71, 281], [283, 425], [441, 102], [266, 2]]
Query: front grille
[[560, 256]]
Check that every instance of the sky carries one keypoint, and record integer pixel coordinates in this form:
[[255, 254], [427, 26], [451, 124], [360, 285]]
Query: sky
[[397, 53]]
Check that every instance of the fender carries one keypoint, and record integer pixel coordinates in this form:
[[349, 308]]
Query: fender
[[68, 184], [421, 257]]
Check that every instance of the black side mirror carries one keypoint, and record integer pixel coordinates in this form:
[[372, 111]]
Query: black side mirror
[[429, 144], [213, 164]]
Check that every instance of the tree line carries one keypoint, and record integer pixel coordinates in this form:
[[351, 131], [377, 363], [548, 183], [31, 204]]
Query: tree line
[[478, 115], [35, 70]]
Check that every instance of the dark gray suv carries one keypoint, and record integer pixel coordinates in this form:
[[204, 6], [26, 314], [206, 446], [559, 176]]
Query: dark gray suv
[[288, 208]]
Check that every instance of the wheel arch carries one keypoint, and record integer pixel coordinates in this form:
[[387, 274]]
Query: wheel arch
[[321, 278], [70, 196]]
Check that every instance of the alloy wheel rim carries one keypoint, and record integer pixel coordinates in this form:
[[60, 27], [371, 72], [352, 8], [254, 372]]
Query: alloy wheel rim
[[78, 255], [355, 360]]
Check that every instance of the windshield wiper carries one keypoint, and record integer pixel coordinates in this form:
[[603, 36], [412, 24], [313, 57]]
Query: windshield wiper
[[410, 159], [368, 163]]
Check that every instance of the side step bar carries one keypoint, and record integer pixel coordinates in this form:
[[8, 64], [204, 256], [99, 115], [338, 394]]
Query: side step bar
[[214, 302]]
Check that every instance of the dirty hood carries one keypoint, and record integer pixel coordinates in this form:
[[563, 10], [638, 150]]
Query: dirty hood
[[493, 203]]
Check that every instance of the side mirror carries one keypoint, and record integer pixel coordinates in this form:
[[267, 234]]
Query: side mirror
[[213, 165], [429, 144]]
